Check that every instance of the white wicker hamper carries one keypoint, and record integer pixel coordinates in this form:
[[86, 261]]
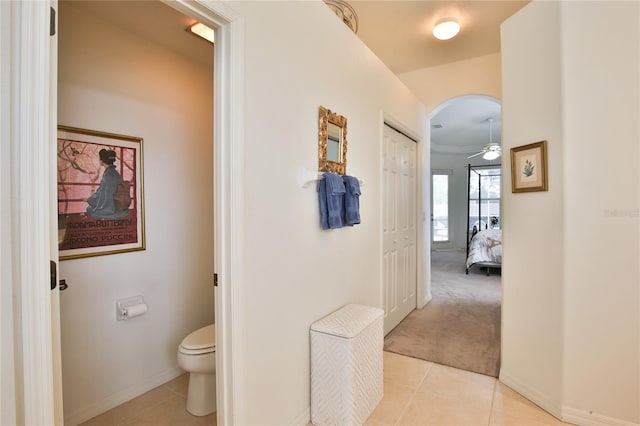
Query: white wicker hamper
[[346, 366]]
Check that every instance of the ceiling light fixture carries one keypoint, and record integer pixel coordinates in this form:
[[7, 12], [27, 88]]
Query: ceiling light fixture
[[203, 31], [446, 29], [491, 155], [492, 150]]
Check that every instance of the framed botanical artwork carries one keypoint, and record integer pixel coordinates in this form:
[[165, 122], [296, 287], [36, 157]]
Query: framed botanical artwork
[[100, 195], [529, 167]]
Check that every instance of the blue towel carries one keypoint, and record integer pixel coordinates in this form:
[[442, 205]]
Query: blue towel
[[351, 200], [322, 197], [331, 192]]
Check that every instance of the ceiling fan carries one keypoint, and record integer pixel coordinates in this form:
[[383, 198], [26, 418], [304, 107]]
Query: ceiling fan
[[490, 151]]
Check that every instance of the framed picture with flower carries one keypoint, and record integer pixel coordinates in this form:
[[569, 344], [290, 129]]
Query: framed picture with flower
[[529, 167]]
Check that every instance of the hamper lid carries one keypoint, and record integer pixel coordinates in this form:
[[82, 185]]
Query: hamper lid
[[347, 321]]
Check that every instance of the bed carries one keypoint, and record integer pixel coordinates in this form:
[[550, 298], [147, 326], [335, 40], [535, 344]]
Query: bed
[[484, 236], [485, 250]]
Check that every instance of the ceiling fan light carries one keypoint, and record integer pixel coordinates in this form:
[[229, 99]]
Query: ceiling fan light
[[446, 29], [491, 155]]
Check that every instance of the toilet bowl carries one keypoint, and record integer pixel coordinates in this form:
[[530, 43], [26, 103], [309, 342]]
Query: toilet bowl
[[197, 356]]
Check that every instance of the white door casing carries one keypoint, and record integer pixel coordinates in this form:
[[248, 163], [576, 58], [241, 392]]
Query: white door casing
[[53, 211], [399, 227], [27, 120], [228, 157]]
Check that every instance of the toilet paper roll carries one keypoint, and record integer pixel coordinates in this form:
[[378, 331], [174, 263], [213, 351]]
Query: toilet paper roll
[[136, 310]]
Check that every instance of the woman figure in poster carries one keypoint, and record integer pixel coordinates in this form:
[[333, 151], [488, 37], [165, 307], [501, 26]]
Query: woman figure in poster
[[101, 203]]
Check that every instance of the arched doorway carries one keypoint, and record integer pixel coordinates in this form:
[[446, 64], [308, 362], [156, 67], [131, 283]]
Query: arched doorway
[[460, 326]]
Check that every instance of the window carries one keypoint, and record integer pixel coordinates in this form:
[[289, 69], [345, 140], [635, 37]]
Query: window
[[484, 198], [440, 205]]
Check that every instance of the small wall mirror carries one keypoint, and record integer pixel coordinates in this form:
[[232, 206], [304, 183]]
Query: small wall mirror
[[332, 142]]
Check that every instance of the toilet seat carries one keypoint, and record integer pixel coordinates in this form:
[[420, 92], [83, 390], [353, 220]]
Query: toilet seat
[[201, 341]]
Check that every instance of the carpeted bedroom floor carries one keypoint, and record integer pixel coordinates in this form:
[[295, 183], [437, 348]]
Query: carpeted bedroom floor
[[460, 327]]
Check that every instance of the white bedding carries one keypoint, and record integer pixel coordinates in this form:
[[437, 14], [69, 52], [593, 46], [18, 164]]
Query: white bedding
[[485, 247]]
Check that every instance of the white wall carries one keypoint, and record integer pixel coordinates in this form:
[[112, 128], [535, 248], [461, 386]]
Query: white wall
[[570, 298], [111, 80], [602, 281], [476, 76], [298, 56], [532, 272]]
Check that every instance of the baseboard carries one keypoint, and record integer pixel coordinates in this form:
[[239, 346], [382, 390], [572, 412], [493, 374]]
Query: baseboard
[[97, 408], [302, 419], [562, 412], [586, 418], [532, 395], [426, 300]]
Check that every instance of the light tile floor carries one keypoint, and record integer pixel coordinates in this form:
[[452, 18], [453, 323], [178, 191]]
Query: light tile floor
[[419, 392], [416, 392], [162, 406]]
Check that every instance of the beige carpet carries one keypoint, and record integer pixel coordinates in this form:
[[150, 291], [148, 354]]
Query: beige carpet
[[460, 327]]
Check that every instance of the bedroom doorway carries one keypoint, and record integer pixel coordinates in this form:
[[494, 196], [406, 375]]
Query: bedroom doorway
[[460, 326]]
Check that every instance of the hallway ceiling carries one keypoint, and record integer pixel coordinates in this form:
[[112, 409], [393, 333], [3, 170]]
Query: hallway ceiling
[[399, 32]]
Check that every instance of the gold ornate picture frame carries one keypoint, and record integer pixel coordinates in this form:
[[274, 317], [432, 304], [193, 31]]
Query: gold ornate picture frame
[[332, 142], [529, 167], [100, 195]]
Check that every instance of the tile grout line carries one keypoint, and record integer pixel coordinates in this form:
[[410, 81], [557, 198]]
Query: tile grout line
[[406, 405]]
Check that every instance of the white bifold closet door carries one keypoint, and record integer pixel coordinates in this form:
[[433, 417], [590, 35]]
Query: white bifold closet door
[[399, 227]]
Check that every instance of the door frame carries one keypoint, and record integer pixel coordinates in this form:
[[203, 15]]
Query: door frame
[[28, 115], [28, 121], [227, 159]]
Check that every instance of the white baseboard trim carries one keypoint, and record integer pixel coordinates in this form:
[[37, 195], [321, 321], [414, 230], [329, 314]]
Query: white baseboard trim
[[99, 407], [426, 300], [562, 412], [586, 418], [538, 398], [302, 419]]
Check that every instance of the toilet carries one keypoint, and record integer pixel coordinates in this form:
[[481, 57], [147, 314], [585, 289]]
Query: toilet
[[197, 356]]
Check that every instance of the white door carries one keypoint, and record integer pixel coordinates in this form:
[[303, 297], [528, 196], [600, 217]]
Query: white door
[[399, 227]]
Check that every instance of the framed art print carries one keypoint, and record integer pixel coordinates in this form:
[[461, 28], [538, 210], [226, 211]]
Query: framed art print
[[529, 167], [100, 194]]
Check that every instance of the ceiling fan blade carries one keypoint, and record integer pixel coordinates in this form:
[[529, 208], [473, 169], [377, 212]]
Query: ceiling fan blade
[[475, 155]]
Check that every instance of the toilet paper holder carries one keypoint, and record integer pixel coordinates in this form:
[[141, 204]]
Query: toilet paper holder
[[130, 307]]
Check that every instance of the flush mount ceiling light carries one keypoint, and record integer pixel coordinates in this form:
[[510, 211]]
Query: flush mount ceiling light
[[203, 31], [446, 28]]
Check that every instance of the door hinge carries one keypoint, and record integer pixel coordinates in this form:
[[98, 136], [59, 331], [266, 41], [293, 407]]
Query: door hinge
[[54, 274], [52, 22], [215, 280]]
